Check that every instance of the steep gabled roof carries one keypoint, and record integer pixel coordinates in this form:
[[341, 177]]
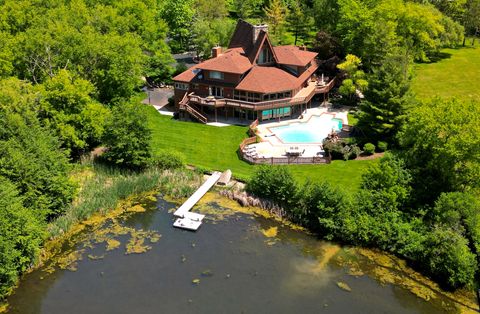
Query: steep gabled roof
[[242, 37], [261, 41], [232, 61], [292, 55]]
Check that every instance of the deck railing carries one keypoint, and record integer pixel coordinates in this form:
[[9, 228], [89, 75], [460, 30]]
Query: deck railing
[[194, 113], [247, 141], [292, 160], [326, 88], [252, 127], [284, 160], [262, 105]]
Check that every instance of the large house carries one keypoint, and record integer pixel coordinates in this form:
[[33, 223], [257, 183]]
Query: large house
[[250, 80]]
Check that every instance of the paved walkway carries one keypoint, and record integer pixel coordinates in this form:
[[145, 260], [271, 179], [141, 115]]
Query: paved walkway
[[158, 98]]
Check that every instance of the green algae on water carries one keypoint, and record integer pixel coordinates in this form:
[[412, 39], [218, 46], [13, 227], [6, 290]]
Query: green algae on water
[[99, 228]]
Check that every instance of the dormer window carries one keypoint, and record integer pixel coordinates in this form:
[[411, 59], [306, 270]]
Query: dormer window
[[216, 75]]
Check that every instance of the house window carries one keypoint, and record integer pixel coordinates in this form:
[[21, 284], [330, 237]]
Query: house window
[[182, 86], [265, 56], [215, 91], [216, 75], [291, 69]]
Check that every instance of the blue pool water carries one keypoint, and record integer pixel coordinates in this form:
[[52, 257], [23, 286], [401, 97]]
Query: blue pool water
[[315, 130]]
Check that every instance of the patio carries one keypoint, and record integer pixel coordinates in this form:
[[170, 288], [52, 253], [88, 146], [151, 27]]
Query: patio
[[272, 147]]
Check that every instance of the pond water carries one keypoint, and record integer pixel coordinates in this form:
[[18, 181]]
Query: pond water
[[235, 263]]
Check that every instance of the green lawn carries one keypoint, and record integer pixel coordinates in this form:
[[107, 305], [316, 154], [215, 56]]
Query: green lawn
[[456, 74], [216, 148]]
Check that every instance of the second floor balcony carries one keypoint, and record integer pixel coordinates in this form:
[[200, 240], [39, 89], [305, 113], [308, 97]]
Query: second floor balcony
[[302, 97]]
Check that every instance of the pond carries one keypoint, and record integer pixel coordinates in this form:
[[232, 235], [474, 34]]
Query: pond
[[237, 262]]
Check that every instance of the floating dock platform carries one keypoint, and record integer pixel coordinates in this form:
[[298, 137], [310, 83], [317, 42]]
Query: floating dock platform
[[193, 221]]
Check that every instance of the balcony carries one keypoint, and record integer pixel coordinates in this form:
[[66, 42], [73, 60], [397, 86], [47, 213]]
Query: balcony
[[302, 97]]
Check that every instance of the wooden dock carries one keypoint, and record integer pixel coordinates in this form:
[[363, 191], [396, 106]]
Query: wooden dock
[[193, 221]]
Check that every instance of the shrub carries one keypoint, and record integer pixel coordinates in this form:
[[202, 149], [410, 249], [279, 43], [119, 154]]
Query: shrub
[[369, 149], [318, 208], [350, 151], [382, 146], [275, 183], [390, 181], [334, 149], [168, 159], [21, 235], [127, 137], [448, 259], [355, 151]]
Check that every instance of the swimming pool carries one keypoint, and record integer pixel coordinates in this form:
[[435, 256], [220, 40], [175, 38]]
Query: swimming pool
[[315, 130]]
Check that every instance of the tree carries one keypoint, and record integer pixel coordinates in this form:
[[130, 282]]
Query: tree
[[208, 34], [67, 106], [448, 259], [471, 19], [355, 78], [211, 10], [326, 14], [453, 9], [387, 184], [461, 212], [383, 111], [441, 143], [6, 55], [374, 29], [179, 17], [276, 13], [326, 46], [21, 234], [299, 21], [127, 137], [246, 8], [30, 156]]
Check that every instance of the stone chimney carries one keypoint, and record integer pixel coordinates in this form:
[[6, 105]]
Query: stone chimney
[[216, 51], [257, 29]]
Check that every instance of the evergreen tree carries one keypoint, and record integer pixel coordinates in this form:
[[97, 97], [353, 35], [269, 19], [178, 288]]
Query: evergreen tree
[[382, 112]]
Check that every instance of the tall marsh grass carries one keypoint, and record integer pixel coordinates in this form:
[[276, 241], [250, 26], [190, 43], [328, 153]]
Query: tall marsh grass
[[102, 187]]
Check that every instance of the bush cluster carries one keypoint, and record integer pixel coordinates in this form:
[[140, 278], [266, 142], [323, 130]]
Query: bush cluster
[[168, 159], [341, 150]]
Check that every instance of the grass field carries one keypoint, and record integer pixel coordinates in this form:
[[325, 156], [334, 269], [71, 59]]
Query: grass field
[[215, 148], [456, 74]]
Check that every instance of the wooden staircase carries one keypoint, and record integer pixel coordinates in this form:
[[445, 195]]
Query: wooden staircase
[[194, 113]]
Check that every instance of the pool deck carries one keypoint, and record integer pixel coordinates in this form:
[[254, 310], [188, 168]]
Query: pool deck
[[272, 146]]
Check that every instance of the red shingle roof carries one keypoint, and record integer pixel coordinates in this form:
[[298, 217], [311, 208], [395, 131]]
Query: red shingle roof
[[267, 80], [292, 55], [188, 75], [231, 61]]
